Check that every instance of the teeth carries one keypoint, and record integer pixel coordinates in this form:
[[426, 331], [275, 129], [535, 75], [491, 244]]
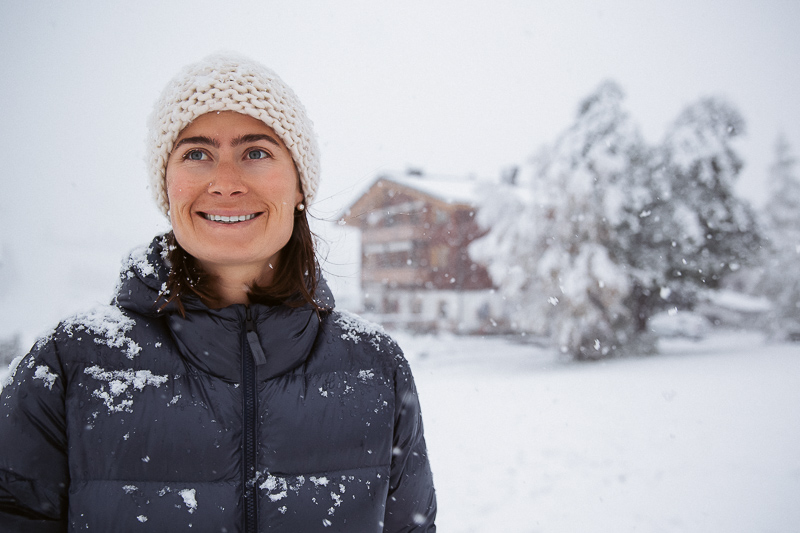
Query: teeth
[[228, 220]]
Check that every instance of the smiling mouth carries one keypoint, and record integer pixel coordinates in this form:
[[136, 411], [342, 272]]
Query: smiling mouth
[[229, 220]]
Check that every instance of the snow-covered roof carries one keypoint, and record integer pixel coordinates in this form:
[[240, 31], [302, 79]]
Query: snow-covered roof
[[450, 189]]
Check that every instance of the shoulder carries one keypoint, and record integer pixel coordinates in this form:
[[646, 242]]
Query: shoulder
[[75, 340], [105, 343], [106, 333], [362, 339], [105, 327], [357, 330]]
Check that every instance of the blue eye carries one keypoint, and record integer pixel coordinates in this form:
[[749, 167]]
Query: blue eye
[[196, 155], [257, 154]]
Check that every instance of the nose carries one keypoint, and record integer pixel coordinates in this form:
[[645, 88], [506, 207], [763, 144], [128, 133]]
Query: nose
[[227, 180]]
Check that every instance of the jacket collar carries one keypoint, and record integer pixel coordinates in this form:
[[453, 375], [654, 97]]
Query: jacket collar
[[213, 340]]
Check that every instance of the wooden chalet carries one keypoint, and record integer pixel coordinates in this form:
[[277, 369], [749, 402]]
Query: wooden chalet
[[416, 272]]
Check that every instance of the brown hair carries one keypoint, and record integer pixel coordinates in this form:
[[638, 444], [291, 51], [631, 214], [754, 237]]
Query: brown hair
[[294, 283]]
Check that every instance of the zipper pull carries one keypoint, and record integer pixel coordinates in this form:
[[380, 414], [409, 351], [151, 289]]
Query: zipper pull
[[252, 340]]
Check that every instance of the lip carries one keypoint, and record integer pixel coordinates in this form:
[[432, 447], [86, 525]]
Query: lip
[[228, 218]]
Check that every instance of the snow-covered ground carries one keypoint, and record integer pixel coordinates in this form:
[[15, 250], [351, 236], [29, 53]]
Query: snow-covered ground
[[702, 438]]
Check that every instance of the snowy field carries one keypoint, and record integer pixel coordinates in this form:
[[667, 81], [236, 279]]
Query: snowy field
[[703, 438]]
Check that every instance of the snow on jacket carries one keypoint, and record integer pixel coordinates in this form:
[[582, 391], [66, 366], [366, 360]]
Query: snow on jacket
[[132, 418]]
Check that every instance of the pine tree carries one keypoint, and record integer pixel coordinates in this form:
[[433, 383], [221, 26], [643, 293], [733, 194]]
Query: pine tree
[[508, 251], [511, 247], [712, 232], [611, 231], [557, 255], [593, 170], [781, 216]]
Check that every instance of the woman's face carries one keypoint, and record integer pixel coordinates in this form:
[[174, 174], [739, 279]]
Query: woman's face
[[232, 189]]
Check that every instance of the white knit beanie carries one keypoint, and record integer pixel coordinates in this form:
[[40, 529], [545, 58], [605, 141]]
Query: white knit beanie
[[230, 82]]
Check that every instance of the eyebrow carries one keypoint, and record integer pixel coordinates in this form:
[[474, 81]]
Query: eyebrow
[[244, 139], [253, 137], [198, 139]]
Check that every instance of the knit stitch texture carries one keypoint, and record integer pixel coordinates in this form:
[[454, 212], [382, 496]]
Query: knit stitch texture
[[229, 82]]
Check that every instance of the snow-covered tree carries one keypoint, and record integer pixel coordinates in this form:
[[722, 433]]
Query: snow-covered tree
[[585, 186], [610, 232], [710, 231], [781, 216], [556, 254], [510, 250], [684, 229]]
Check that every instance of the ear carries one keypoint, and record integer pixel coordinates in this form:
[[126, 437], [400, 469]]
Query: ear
[[298, 195]]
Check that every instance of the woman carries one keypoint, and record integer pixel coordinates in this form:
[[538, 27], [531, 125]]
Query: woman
[[221, 391]]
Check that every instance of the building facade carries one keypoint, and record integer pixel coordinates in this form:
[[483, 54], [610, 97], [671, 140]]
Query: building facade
[[415, 267]]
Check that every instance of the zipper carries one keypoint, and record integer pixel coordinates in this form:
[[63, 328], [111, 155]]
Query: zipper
[[252, 340], [252, 355]]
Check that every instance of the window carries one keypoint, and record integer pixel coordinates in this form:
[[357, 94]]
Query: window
[[439, 255], [390, 305]]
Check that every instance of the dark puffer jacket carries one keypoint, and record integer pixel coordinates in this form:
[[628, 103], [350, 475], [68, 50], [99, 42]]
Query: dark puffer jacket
[[131, 418]]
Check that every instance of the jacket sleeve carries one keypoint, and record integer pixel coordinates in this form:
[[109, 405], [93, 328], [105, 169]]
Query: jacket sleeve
[[411, 504], [34, 476]]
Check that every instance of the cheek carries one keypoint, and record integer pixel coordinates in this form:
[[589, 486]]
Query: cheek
[[282, 195], [178, 191]]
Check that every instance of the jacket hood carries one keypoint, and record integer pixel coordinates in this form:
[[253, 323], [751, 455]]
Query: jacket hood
[[213, 340], [143, 282]]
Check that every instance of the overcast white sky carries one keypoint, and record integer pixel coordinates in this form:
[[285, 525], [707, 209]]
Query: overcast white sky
[[453, 87]]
